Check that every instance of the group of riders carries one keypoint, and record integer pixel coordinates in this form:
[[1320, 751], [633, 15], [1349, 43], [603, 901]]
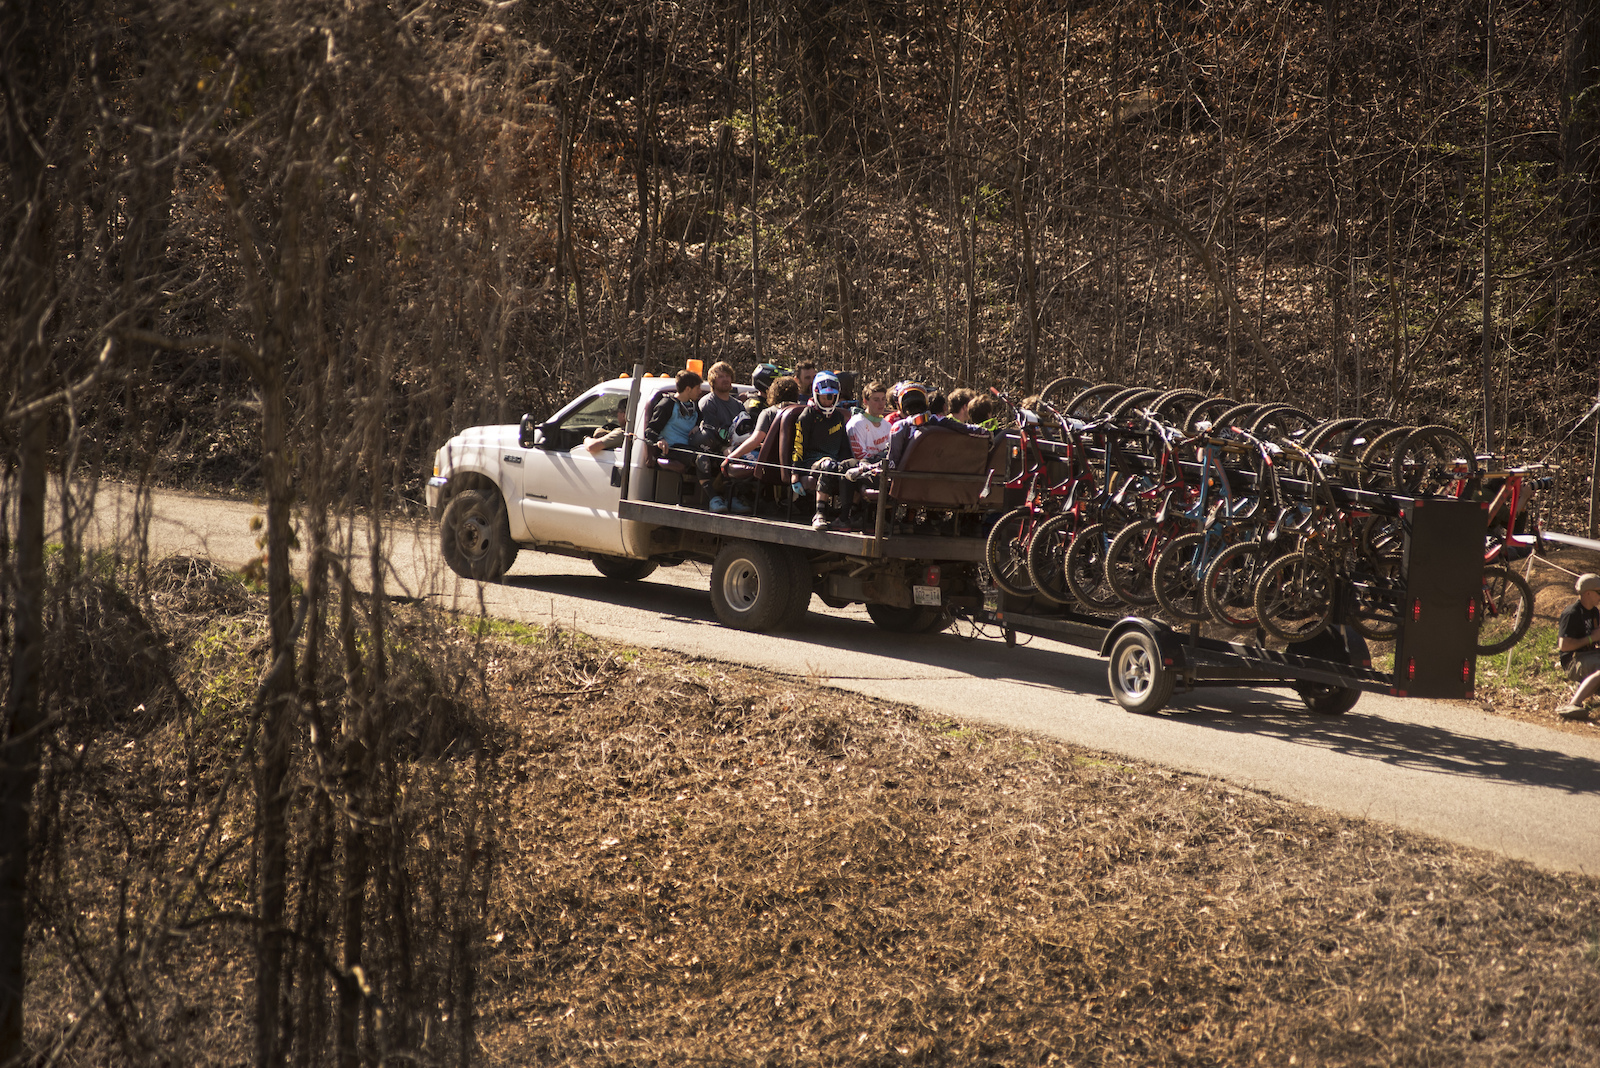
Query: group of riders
[[711, 429]]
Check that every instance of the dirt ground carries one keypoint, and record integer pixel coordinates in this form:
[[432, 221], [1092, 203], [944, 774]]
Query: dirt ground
[[697, 863]]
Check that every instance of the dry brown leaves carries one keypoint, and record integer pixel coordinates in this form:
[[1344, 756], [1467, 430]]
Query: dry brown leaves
[[702, 865]]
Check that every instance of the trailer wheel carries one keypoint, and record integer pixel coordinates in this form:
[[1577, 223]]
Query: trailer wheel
[[475, 536], [752, 586], [1328, 700], [622, 569], [1140, 682]]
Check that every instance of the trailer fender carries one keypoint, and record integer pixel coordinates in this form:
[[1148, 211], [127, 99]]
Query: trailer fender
[[1166, 641]]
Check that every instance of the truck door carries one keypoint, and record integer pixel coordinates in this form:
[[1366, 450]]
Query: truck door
[[568, 496]]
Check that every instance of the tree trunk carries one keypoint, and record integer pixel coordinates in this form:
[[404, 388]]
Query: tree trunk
[[1580, 122]]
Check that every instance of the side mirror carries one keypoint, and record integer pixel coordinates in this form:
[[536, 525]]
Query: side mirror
[[528, 433]]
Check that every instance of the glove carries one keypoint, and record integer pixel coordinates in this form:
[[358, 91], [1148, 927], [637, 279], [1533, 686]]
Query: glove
[[799, 488]]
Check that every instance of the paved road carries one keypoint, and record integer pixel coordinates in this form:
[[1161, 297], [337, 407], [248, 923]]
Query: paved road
[[1479, 780]]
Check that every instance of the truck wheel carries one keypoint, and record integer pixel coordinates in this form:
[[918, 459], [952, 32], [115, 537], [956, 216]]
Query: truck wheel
[[1140, 682], [799, 589], [752, 586], [916, 620], [1328, 700], [475, 536], [622, 569]]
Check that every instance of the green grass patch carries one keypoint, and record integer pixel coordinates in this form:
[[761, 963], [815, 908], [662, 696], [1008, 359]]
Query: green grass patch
[[508, 630], [1529, 668]]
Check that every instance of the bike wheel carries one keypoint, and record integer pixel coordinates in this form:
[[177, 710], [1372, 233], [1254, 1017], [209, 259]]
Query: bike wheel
[[1377, 582], [1085, 569], [1130, 562], [1062, 390], [1506, 611], [1174, 404], [1430, 460], [1329, 435], [1006, 552], [1206, 411], [1294, 597], [1375, 467], [1047, 557], [1278, 422], [1238, 415], [1176, 579], [1086, 405], [1229, 584]]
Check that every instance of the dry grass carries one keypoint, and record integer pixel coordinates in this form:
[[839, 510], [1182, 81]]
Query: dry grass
[[694, 863], [702, 867]]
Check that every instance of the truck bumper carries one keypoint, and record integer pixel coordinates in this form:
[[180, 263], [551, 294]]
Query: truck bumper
[[435, 495]]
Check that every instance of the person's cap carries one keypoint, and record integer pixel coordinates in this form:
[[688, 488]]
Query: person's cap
[[1588, 582]]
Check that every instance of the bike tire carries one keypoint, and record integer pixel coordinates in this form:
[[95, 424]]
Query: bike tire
[[1175, 582], [1085, 569], [1086, 405], [1047, 557], [1506, 611], [1229, 584], [1005, 552], [1130, 563], [1207, 411], [1430, 460], [1061, 390], [1375, 468], [1294, 597], [1239, 414], [1278, 422]]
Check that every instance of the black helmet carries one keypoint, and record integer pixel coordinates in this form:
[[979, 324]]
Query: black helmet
[[764, 375]]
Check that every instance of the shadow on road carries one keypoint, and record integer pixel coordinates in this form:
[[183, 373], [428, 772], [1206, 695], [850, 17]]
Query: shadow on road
[[1048, 668]]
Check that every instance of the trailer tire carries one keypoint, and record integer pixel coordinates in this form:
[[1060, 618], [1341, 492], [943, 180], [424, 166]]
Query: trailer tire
[[1328, 700], [623, 569], [1140, 681], [475, 536], [752, 586]]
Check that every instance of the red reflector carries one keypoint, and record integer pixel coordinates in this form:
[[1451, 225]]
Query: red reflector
[[1416, 609], [931, 577], [1472, 610], [1411, 669], [1466, 670]]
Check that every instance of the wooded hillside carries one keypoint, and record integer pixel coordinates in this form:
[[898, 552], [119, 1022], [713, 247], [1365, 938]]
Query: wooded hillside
[[288, 246]]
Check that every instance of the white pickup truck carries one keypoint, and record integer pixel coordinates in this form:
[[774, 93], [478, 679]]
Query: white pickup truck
[[497, 490]]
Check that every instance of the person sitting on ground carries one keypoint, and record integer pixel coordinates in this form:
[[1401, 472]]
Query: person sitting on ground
[[961, 404], [1576, 707], [1578, 630], [609, 436], [782, 393], [673, 417], [869, 430], [822, 446], [718, 411]]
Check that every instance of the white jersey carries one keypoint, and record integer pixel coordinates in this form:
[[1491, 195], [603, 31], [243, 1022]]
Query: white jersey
[[869, 439]]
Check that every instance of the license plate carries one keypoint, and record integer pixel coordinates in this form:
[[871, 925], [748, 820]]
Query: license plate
[[928, 595]]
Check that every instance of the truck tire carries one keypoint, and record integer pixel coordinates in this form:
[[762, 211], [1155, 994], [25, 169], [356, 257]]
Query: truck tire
[[475, 536], [752, 586], [1140, 682], [799, 590], [623, 569]]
